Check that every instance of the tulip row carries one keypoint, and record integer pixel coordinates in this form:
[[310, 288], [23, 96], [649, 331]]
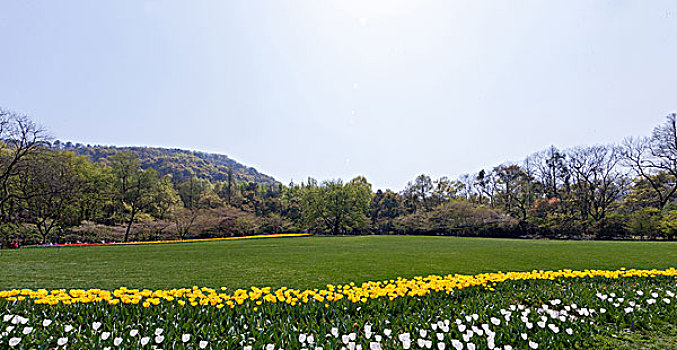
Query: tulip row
[[535, 310], [274, 235]]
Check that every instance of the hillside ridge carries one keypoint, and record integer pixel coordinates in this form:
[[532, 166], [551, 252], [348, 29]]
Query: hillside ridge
[[181, 164]]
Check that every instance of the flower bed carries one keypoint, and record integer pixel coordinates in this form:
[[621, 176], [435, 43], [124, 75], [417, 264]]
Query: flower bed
[[516, 310], [276, 235]]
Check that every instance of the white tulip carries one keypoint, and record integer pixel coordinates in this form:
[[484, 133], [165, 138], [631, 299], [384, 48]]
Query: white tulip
[[14, 341], [345, 338]]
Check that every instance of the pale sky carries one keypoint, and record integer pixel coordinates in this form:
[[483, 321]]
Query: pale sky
[[386, 89]]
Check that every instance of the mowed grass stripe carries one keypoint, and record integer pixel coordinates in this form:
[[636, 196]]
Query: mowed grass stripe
[[311, 262]]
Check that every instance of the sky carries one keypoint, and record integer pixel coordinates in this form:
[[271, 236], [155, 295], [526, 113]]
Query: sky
[[387, 89]]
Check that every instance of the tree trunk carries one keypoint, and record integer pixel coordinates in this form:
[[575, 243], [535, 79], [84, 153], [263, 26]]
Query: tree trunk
[[129, 224]]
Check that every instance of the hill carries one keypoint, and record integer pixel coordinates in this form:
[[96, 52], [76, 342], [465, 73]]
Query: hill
[[179, 163]]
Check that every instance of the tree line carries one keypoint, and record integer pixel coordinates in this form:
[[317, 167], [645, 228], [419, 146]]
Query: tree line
[[49, 194]]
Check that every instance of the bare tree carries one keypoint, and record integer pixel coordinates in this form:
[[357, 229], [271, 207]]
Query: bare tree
[[550, 168], [468, 190], [19, 137], [485, 182], [650, 157], [598, 181]]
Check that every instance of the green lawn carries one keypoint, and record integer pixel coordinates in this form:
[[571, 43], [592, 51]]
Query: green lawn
[[311, 261]]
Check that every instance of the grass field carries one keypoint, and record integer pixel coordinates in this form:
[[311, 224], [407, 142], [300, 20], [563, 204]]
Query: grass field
[[311, 261]]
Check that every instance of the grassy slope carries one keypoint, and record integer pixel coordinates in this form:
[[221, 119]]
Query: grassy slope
[[312, 261]]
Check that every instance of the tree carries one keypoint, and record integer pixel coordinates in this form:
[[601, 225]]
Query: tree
[[417, 194], [515, 190], [229, 187], [598, 181], [444, 190], [649, 157], [486, 184], [551, 169], [645, 222], [167, 199], [385, 206], [189, 221], [52, 183], [335, 207], [136, 187], [19, 138], [668, 224], [192, 190], [290, 202]]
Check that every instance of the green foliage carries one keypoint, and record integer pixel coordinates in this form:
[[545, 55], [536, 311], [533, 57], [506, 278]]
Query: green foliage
[[182, 165], [137, 188], [668, 224], [48, 194], [645, 222], [337, 208]]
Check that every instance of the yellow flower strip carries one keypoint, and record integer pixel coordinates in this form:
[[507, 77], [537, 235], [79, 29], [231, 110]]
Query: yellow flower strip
[[418, 286], [276, 235]]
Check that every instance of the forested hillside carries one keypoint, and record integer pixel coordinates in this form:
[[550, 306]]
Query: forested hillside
[[180, 164]]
